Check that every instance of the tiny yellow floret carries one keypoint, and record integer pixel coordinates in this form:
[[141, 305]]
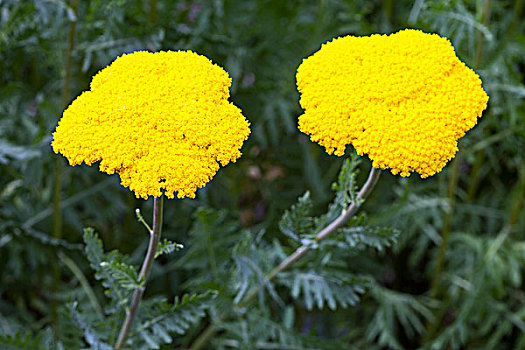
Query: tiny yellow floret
[[162, 121], [404, 99]]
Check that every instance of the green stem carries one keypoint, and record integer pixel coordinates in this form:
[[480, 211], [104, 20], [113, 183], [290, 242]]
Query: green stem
[[144, 271], [388, 9], [211, 255], [480, 156], [57, 180], [479, 37], [342, 219], [152, 16], [474, 178], [518, 204], [445, 233], [518, 9], [83, 282]]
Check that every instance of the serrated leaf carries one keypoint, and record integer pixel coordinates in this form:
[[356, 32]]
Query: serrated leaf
[[345, 187], [296, 222], [345, 192], [397, 308], [357, 235], [378, 238], [90, 334], [167, 247], [325, 288], [116, 276], [20, 341], [94, 250], [125, 275], [159, 318]]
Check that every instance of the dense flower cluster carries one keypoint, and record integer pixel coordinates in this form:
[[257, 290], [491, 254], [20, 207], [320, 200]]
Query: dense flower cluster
[[404, 99], [160, 120]]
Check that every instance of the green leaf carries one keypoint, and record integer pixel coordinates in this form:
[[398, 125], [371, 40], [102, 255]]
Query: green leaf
[[94, 249], [117, 277], [346, 182], [325, 287], [296, 222], [378, 238], [90, 334], [263, 333], [22, 341], [395, 308], [345, 191], [159, 318], [125, 275], [19, 153], [167, 247]]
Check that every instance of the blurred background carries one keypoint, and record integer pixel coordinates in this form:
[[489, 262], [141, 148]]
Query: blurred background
[[454, 280]]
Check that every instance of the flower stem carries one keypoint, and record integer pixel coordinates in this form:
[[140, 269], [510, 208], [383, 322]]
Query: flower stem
[[144, 271], [367, 188], [365, 191]]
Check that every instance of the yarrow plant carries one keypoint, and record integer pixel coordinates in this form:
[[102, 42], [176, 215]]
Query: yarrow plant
[[163, 122], [404, 99]]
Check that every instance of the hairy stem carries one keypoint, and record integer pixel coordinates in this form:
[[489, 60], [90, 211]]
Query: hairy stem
[[365, 191], [144, 271]]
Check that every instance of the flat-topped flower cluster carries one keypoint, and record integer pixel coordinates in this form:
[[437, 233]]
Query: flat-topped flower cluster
[[162, 121], [404, 99]]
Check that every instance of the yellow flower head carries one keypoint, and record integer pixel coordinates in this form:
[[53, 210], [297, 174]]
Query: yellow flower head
[[404, 99], [160, 120]]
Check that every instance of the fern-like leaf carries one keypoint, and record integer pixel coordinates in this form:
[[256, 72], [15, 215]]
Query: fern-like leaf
[[167, 247], [125, 275], [116, 276], [377, 238], [397, 309], [26, 340], [159, 318], [346, 186], [345, 192], [296, 222], [90, 334], [326, 287]]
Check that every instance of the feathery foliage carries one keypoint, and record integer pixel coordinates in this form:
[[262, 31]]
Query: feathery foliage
[[375, 283]]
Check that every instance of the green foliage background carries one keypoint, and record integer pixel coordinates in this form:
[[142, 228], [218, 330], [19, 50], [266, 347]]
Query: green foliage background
[[435, 263]]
